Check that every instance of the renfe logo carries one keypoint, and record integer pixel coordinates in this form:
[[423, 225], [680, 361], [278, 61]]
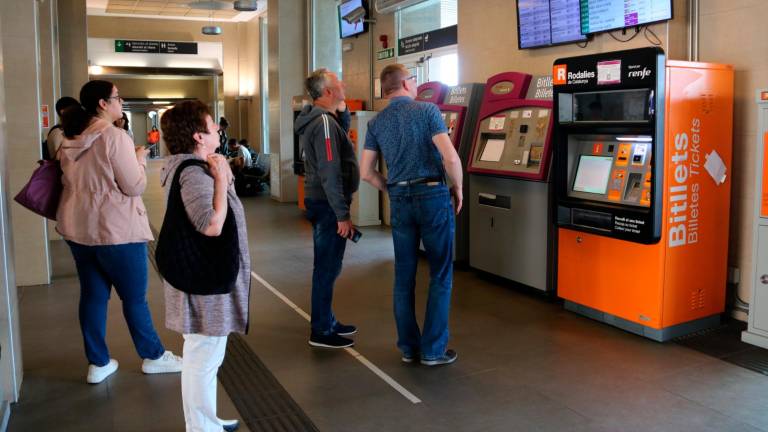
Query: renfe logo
[[639, 73], [559, 74]]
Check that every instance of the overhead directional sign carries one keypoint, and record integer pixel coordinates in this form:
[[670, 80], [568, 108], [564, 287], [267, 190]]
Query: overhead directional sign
[[428, 41], [155, 47]]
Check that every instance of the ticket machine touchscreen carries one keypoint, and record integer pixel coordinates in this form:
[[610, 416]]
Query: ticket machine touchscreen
[[612, 169]]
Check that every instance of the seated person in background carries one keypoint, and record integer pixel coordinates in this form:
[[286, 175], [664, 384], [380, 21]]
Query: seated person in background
[[238, 155]]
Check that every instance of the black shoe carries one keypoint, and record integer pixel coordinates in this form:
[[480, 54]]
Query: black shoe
[[344, 330], [449, 357], [332, 340], [231, 425]]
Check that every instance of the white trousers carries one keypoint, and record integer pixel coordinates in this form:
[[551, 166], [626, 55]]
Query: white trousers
[[202, 357]]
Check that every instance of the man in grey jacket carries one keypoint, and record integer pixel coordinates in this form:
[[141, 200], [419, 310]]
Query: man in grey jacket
[[331, 178]]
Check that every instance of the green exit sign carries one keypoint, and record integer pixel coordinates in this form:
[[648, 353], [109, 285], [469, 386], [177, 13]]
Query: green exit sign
[[385, 54]]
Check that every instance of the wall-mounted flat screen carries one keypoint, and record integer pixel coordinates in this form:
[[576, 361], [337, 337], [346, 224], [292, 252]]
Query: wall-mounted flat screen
[[592, 174], [542, 23], [352, 16], [604, 15]]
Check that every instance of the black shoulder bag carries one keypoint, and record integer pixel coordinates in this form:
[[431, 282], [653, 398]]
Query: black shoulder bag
[[191, 261]]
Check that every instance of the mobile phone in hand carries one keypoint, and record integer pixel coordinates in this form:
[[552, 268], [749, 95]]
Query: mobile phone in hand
[[356, 235]]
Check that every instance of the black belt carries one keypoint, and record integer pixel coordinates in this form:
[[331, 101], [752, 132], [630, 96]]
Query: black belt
[[420, 180]]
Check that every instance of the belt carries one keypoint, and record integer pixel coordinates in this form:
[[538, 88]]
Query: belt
[[420, 180]]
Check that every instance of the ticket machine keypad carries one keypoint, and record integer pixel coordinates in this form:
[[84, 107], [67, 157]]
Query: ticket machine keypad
[[513, 141]]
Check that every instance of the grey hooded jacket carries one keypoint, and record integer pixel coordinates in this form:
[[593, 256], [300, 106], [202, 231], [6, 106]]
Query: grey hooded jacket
[[330, 162]]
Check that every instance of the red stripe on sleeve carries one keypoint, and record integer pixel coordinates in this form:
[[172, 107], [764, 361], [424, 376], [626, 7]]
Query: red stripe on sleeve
[[328, 152]]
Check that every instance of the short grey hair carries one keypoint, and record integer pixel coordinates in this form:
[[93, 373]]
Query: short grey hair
[[316, 82]]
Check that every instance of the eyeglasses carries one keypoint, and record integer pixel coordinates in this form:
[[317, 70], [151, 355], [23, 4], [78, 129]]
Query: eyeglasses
[[412, 77], [118, 98]]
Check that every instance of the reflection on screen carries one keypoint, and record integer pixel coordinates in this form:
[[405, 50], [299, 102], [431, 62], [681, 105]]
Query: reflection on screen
[[592, 174], [622, 105], [353, 9], [602, 15], [493, 150]]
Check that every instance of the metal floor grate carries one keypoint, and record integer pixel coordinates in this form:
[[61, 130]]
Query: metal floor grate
[[725, 343], [259, 398]]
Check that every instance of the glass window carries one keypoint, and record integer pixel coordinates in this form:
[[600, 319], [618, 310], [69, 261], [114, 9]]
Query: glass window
[[326, 41], [444, 68], [427, 16]]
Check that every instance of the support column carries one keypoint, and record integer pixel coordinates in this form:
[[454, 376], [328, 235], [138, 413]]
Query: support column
[[73, 46], [10, 346], [22, 91], [287, 69]]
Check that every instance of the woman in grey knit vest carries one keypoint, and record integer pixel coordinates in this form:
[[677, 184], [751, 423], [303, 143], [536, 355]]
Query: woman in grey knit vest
[[205, 321]]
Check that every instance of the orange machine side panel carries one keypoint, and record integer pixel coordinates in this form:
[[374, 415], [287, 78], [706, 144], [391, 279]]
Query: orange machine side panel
[[624, 280], [699, 113], [301, 193], [764, 199]]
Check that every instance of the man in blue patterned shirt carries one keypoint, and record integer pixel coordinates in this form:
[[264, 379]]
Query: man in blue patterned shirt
[[412, 137]]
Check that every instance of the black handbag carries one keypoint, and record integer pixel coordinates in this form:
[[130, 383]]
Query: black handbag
[[191, 261]]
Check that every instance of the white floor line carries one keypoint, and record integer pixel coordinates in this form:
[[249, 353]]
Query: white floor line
[[359, 357]]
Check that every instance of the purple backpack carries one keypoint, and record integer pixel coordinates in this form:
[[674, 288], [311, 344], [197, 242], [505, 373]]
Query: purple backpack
[[42, 192]]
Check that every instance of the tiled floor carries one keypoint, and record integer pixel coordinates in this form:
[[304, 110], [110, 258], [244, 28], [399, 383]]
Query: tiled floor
[[524, 363]]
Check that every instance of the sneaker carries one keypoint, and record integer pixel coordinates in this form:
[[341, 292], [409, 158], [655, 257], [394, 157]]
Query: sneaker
[[167, 363], [230, 425], [408, 358], [332, 340], [344, 330], [97, 374], [449, 357]]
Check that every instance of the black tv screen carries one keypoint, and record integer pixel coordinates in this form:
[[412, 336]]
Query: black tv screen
[[605, 15], [542, 23], [352, 16]]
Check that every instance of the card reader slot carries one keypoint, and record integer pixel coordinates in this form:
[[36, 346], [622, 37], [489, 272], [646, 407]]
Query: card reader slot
[[592, 219], [493, 200]]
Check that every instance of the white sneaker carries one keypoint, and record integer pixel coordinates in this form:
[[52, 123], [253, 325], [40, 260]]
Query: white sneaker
[[97, 374], [167, 363]]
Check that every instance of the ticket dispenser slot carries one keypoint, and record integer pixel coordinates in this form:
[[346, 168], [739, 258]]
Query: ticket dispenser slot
[[493, 200]]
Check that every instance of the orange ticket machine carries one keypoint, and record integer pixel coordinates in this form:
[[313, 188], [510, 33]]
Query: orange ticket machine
[[642, 171]]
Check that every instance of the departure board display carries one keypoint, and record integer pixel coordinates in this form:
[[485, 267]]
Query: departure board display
[[543, 23], [604, 15]]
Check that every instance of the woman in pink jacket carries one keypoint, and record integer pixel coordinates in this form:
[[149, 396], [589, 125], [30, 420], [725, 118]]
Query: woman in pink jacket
[[103, 219]]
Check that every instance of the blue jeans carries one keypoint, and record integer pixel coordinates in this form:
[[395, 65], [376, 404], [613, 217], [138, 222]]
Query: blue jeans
[[125, 267], [422, 212], [329, 253]]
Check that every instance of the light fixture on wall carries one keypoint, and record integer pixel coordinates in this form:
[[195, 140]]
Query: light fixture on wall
[[246, 5]]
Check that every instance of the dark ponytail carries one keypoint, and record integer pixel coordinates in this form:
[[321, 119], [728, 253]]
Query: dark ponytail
[[76, 119]]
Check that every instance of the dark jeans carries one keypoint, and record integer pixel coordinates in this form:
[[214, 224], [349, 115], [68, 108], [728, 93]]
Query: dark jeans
[[329, 253], [422, 213], [125, 267]]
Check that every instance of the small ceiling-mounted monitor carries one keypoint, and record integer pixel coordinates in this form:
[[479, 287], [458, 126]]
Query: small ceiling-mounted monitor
[[353, 16]]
